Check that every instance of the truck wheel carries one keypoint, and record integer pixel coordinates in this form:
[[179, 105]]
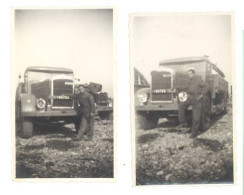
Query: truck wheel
[[77, 125], [18, 121], [206, 112], [17, 112], [106, 115], [101, 115], [27, 128], [147, 121], [111, 116], [225, 111]]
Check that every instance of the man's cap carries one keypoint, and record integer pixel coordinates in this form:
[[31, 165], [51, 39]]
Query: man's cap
[[80, 85], [86, 85], [83, 85], [191, 69]]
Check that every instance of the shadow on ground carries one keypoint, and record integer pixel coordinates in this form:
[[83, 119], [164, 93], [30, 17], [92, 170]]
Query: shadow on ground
[[213, 145], [147, 138], [53, 130]]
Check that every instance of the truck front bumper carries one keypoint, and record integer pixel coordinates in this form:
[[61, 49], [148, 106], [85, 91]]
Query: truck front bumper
[[159, 107], [50, 113]]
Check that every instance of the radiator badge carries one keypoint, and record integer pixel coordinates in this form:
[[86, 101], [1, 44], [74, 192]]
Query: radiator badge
[[166, 75], [61, 97], [68, 83]]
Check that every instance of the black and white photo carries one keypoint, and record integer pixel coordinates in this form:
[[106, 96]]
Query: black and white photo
[[182, 111], [62, 80]]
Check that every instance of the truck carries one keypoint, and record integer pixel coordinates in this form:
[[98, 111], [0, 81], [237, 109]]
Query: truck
[[169, 87], [40, 98]]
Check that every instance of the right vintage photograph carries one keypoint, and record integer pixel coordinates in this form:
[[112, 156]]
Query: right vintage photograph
[[182, 93]]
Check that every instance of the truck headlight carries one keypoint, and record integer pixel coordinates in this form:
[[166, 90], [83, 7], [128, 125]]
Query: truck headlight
[[142, 98], [182, 96], [40, 103]]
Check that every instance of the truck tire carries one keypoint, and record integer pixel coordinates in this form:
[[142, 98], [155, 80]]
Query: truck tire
[[27, 128], [77, 124], [147, 121], [111, 116], [18, 121], [206, 113], [225, 111], [106, 115]]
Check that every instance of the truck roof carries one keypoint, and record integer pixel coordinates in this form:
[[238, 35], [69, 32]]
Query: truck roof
[[48, 69], [181, 60], [190, 60]]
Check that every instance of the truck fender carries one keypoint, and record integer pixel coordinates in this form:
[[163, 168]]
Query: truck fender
[[147, 91], [28, 103]]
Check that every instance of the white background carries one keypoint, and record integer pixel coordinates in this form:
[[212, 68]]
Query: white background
[[123, 183]]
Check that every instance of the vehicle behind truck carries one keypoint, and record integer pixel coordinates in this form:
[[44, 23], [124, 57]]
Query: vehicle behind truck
[[39, 98], [169, 87], [104, 106], [139, 81]]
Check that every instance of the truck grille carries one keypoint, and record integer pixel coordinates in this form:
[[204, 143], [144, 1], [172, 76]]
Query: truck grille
[[60, 87], [161, 96], [161, 81]]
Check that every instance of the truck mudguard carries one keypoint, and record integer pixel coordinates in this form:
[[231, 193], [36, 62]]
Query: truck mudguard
[[28, 103]]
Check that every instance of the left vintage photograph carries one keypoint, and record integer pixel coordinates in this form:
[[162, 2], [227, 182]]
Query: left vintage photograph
[[63, 93]]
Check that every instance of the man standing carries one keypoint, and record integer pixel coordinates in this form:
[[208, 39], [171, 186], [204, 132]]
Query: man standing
[[87, 112], [196, 91]]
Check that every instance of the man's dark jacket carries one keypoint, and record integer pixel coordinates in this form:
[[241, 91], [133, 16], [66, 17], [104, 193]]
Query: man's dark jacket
[[87, 104], [196, 86]]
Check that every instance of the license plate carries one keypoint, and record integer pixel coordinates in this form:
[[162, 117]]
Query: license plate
[[63, 97], [164, 91], [160, 91]]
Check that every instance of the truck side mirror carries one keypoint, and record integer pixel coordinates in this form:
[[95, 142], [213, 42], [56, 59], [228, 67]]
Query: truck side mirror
[[19, 76]]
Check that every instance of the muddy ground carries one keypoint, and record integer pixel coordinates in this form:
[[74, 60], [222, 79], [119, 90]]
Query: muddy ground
[[165, 155], [53, 153]]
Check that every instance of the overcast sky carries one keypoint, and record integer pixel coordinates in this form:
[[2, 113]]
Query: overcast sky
[[81, 40], [158, 37]]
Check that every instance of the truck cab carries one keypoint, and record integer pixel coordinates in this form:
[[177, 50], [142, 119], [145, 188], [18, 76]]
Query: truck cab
[[169, 87], [40, 97]]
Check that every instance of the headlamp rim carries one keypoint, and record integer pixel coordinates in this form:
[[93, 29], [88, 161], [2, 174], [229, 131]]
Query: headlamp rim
[[184, 98], [142, 99], [37, 103]]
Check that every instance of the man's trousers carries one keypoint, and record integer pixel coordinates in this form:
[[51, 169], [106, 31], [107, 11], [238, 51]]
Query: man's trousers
[[86, 126], [197, 106]]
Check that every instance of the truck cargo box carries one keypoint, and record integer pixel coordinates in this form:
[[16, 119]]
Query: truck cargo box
[[219, 84]]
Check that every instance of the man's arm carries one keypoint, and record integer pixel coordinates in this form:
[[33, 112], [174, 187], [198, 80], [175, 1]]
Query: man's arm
[[92, 104], [71, 95], [204, 88]]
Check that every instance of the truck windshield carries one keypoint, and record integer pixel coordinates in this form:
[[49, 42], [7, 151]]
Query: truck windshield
[[34, 77], [42, 76], [37, 76], [183, 67]]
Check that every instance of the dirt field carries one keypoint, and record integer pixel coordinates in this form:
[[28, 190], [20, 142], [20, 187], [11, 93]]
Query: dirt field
[[52, 153], [168, 156]]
